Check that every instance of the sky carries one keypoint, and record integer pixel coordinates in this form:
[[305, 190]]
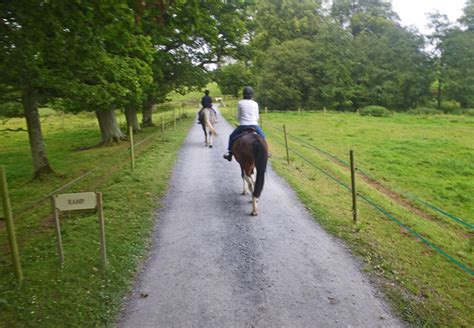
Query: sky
[[413, 12]]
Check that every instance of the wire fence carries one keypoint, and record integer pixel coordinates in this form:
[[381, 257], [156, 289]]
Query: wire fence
[[35, 203], [372, 203], [369, 176]]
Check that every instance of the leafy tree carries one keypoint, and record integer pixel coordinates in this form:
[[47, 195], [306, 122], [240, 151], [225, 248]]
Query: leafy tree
[[440, 25], [113, 68], [308, 73], [363, 15], [231, 78], [31, 41], [282, 20], [188, 36], [458, 69], [392, 70], [467, 18]]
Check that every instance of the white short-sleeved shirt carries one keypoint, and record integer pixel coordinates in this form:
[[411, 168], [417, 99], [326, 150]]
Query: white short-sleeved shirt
[[247, 112]]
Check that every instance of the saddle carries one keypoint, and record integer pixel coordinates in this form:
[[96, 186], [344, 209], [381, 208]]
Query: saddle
[[246, 131], [249, 130]]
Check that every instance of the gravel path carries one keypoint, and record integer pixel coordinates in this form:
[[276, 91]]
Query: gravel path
[[214, 265]]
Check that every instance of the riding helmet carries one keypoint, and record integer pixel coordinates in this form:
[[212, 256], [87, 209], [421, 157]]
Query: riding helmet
[[248, 92]]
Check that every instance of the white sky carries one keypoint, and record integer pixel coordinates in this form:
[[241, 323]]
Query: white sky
[[413, 12]]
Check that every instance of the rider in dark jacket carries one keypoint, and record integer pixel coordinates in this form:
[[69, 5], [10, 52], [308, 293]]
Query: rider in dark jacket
[[206, 102]]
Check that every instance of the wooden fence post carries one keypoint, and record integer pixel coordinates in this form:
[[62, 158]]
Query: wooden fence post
[[286, 144], [174, 119], [353, 187], [162, 129], [266, 109], [10, 225]]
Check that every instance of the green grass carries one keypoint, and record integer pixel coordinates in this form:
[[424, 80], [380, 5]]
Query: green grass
[[431, 157], [80, 294], [197, 95]]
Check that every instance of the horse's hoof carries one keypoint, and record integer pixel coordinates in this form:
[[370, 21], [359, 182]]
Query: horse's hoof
[[210, 146], [254, 213], [244, 193]]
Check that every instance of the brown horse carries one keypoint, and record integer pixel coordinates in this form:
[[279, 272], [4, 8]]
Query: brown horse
[[251, 151], [208, 118]]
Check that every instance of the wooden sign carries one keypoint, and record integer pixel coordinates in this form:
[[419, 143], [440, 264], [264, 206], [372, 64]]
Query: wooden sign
[[77, 201]]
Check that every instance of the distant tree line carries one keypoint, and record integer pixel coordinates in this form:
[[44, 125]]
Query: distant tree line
[[98, 56], [351, 55]]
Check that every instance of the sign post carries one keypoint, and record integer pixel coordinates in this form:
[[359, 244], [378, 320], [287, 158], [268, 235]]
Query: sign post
[[10, 226], [74, 202]]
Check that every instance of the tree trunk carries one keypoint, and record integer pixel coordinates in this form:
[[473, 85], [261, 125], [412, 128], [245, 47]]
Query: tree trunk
[[38, 152], [147, 114], [131, 115], [109, 129]]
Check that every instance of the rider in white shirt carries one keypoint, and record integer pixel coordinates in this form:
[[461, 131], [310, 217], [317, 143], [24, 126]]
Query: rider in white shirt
[[247, 115]]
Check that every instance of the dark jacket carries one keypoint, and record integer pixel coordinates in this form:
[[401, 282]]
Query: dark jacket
[[206, 101]]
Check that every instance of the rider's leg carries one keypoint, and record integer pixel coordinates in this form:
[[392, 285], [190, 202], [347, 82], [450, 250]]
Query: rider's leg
[[199, 116], [261, 134], [233, 135], [259, 131]]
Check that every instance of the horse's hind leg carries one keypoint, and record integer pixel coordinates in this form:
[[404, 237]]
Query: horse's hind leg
[[250, 182], [205, 137], [254, 206], [244, 183], [210, 139]]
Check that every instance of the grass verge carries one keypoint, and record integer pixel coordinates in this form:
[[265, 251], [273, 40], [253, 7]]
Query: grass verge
[[80, 294]]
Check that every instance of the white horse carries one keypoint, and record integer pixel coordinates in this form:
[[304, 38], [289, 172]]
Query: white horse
[[208, 118]]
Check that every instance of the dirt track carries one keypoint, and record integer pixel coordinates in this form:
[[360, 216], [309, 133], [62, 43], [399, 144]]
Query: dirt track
[[214, 265]]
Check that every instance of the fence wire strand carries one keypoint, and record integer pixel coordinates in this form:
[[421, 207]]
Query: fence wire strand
[[383, 211], [403, 193], [32, 204]]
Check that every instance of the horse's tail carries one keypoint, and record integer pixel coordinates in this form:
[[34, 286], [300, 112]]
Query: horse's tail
[[260, 154], [209, 125]]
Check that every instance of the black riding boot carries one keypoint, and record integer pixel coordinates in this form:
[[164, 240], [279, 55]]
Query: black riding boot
[[228, 156]]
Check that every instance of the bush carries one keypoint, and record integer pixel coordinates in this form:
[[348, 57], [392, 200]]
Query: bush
[[378, 111], [11, 109], [449, 105], [464, 111], [424, 111]]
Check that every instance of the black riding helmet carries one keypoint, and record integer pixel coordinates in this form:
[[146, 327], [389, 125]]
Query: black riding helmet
[[248, 92]]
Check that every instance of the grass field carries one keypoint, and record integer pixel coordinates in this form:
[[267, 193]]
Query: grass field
[[431, 157], [80, 294]]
